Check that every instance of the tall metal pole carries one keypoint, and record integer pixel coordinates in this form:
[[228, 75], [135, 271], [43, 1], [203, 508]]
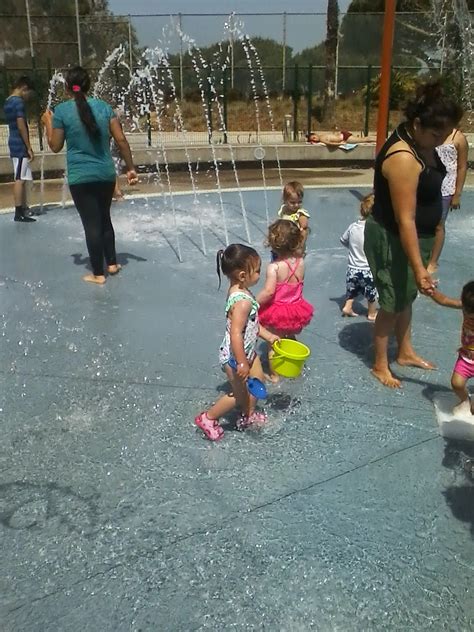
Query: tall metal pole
[[130, 47], [231, 44], [385, 71], [367, 100], [443, 44], [78, 28], [181, 81], [30, 35], [283, 60]]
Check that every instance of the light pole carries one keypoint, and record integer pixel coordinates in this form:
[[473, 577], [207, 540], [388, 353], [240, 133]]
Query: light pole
[[78, 27], [385, 72]]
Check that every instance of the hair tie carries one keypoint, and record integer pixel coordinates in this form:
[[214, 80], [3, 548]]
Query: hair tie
[[76, 88]]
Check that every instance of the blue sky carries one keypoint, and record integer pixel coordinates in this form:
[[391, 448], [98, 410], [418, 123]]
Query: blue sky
[[302, 31]]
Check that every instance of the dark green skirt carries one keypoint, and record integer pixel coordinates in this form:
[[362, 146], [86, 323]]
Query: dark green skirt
[[393, 276]]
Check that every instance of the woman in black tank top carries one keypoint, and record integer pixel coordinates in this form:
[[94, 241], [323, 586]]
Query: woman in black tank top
[[407, 210]]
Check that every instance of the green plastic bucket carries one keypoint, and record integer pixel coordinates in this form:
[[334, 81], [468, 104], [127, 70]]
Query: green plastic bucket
[[289, 357]]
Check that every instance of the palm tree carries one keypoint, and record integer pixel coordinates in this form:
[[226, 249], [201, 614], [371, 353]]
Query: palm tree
[[332, 32]]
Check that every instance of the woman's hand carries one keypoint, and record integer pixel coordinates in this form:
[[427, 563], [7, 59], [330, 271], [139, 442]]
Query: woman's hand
[[424, 282], [132, 177], [455, 202], [47, 118]]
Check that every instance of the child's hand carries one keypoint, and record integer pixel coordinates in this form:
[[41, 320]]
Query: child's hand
[[243, 370], [272, 338]]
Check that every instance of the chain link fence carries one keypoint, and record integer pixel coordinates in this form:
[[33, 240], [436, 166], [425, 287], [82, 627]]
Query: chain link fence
[[247, 78]]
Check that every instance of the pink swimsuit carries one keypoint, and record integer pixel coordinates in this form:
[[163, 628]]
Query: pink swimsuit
[[465, 362], [287, 311]]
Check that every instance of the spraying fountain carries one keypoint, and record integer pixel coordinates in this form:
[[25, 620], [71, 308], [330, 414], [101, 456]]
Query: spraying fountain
[[144, 94]]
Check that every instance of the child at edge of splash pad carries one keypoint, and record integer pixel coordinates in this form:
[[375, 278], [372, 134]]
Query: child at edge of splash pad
[[359, 279], [464, 367], [241, 265]]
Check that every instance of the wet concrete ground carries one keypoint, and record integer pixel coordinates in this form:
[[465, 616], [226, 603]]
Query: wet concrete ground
[[53, 191], [347, 511]]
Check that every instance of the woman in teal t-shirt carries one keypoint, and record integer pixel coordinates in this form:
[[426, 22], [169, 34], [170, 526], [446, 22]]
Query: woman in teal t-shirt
[[86, 125]]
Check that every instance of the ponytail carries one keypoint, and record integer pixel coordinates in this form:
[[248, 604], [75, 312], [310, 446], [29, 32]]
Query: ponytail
[[78, 82], [220, 254]]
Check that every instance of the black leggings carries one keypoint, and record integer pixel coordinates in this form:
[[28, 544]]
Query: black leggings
[[93, 200]]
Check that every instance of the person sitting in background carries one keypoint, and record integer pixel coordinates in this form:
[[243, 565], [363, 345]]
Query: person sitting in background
[[338, 138]]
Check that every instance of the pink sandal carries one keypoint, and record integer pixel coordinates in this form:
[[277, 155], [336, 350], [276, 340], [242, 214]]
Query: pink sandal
[[256, 417], [211, 427]]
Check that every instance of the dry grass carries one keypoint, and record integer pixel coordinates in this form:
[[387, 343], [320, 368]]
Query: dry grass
[[242, 115]]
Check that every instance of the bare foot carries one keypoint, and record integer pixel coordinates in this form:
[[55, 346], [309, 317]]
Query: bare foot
[[92, 278], [386, 377], [114, 268], [372, 317], [416, 361], [348, 312], [464, 408]]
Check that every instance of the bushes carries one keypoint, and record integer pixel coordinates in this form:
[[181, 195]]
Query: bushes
[[403, 85]]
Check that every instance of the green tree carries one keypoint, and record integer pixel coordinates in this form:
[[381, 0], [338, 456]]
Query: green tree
[[54, 33], [216, 56]]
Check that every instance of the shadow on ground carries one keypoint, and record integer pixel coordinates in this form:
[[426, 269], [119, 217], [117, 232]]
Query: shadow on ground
[[123, 258]]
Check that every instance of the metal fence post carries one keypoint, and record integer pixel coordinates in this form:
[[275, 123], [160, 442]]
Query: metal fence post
[[367, 101], [283, 61], [231, 46], [37, 102], [295, 105], [130, 47], [6, 87], [78, 28], [224, 98], [181, 82], [30, 32], [310, 98], [148, 128], [209, 110]]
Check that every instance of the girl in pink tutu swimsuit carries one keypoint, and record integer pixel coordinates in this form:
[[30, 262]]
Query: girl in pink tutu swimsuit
[[283, 310], [464, 367]]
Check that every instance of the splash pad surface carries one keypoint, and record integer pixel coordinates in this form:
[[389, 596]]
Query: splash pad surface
[[348, 511]]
